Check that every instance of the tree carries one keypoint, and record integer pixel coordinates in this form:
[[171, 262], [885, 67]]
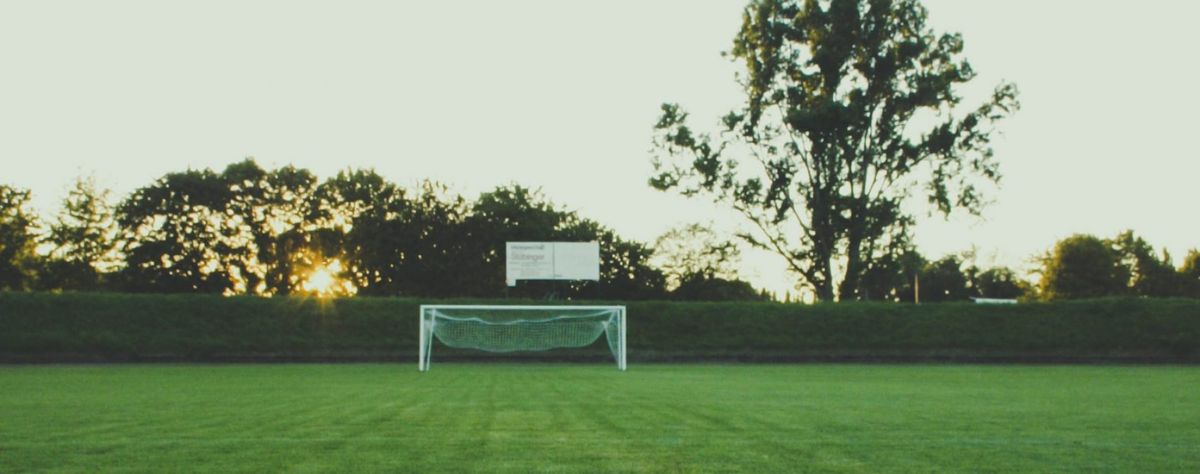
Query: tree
[[18, 239], [944, 280], [1149, 274], [272, 219], [849, 105], [694, 251], [83, 239], [175, 236], [515, 213], [1189, 273], [246, 230], [434, 249], [1082, 266], [700, 266], [510, 213], [355, 208], [288, 237], [393, 242], [998, 282], [627, 271], [892, 276]]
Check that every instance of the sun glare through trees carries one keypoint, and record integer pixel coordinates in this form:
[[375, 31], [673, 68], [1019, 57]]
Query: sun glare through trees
[[324, 281]]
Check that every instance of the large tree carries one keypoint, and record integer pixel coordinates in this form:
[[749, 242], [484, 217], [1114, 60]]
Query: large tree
[[246, 230], [272, 216], [175, 235], [357, 210], [850, 106]]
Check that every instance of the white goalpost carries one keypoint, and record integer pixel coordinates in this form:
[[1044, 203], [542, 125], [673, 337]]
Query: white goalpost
[[498, 328]]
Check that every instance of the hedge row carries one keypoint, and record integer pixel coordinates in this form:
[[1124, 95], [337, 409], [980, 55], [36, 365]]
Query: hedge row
[[122, 327]]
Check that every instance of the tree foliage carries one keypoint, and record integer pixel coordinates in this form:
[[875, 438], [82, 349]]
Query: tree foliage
[[18, 239], [511, 213], [271, 216], [626, 270], [83, 239], [357, 209], [944, 280], [1150, 275], [892, 276], [1082, 266], [515, 213], [1189, 274], [176, 236], [999, 282], [950, 278], [249, 230], [701, 266], [694, 251], [1085, 266], [849, 105]]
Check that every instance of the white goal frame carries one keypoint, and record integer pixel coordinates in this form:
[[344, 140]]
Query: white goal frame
[[425, 341]]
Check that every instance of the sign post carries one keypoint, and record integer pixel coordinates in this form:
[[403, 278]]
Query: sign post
[[551, 261]]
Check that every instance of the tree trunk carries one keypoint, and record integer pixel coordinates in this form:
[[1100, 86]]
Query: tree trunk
[[824, 287], [825, 291], [854, 267]]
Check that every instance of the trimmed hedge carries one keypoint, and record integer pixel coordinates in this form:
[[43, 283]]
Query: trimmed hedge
[[123, 327]]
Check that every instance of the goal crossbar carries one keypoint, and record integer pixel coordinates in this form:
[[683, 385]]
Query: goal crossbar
[[508, 328]]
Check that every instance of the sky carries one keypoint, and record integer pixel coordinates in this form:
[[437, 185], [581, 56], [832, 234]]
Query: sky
[[563, 95]]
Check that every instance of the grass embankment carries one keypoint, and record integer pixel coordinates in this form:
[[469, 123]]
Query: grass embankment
[[588, 418], [117, 327]]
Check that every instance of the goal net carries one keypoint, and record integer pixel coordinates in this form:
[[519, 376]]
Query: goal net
[[521, 328]]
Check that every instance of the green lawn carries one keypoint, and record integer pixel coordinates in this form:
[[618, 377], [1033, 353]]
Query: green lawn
[[567, 418]]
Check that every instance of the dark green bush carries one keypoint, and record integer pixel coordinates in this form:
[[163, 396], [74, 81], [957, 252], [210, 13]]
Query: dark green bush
[[113, 327]]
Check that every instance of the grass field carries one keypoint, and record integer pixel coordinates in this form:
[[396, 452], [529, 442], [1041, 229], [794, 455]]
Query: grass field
[[565, 418]]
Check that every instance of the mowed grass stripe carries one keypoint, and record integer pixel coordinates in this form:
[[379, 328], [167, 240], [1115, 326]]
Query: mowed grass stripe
[[564, 418]]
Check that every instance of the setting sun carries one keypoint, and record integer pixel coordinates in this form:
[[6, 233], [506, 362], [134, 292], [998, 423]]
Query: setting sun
[[323, 280]]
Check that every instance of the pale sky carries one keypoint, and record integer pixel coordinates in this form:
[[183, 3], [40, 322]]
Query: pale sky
[[563, 95]]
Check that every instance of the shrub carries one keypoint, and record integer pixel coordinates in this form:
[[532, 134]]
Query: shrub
[[113, 327]]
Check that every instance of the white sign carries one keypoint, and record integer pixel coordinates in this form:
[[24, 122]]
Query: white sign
[[551, 261]]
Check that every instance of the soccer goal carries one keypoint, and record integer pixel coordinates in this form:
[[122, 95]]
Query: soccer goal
[[520, 328]]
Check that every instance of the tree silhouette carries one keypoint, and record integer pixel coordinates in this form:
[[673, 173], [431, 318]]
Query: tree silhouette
[[175, 235], [1189, 272], [18, 239], [850, 105], [354, 209], [999, 282], [1149, 274], [83, 239]]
